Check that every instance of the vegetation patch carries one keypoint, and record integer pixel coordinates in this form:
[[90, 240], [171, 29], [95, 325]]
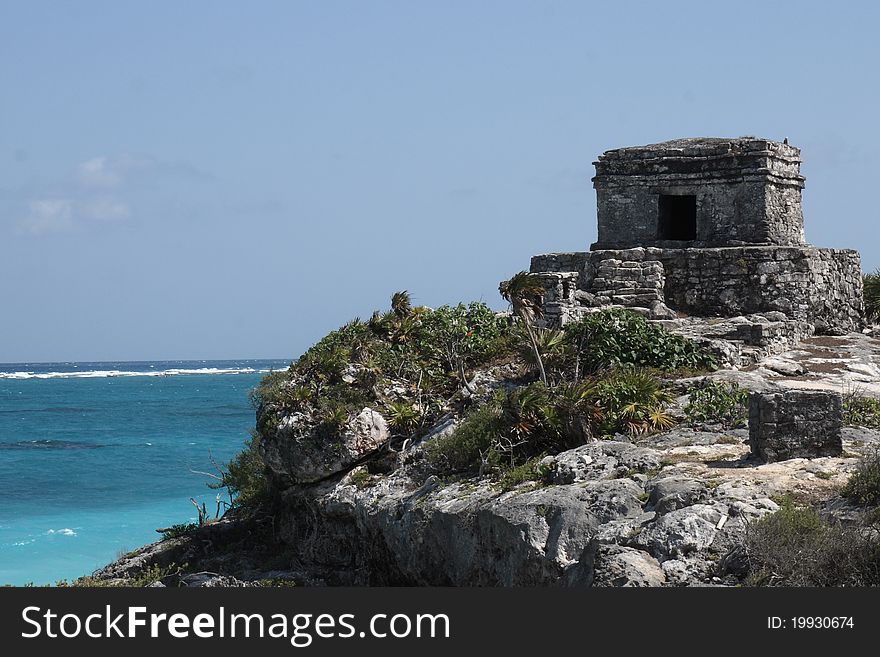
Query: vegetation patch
[[863, 486], [245, 475], [795, 546], [515, 427], [871, 291], [530, 471], [360, 479], [594, 380], [861, 411], [614, 337], [717, 403], [176, 531]]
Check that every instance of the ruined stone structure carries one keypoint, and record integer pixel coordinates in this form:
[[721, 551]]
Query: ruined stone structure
[[705, 192], [705, 227], [795, 424]]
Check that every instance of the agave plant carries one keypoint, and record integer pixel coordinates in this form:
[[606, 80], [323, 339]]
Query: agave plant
[[403, 417], [525, 292]]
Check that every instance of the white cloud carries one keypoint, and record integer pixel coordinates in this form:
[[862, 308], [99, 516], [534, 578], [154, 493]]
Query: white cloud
[[104, 171], [48, 216], [103, 209], [100, 190], [97, 172]]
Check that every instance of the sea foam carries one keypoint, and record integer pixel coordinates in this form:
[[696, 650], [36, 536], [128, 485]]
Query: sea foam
[[101, 374]]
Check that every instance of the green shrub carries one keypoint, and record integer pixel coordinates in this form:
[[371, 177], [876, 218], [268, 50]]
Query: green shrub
[[717, 402], [149, 575], [871, 293], [403, 417], [245, 475], [860, 411], [430, 350], [471, 447], [863, 486], [621, 337], [155, 573], [176, 531], [273, 388], [531, 470], [521, 424], [555, 350], [360, 479], [795, 547]]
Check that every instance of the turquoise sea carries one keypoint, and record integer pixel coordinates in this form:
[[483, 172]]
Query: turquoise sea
[[95, 456]]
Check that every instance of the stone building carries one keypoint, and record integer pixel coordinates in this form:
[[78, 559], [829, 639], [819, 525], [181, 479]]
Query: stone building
[[705, 227]]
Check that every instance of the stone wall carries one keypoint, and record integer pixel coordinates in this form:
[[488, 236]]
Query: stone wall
[[628, 283], [820, 286], [795, 424]]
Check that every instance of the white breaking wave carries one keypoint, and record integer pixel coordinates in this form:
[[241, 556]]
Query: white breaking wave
[[67, 531], [100, 374]]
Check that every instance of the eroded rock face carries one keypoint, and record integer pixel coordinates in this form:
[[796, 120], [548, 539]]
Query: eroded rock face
[[669, 512], [627, 567], [682, 532], [605, 459], [298, 452], [673, 493], [455, 535]]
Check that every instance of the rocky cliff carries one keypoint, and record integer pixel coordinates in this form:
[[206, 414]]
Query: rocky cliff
[[358, 494]]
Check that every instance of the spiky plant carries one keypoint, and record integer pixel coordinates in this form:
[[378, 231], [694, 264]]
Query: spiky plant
[[557, 353], [524, 409], [401, 304], [376, 323], [633, 400], [335, 416], [579, 411], [403, 417], [525, 292], [300, 394]]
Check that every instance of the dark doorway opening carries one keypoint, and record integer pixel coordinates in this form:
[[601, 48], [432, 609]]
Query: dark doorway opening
[[678, 217]]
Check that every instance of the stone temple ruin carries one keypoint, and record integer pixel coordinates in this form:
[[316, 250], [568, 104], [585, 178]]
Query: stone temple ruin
[[707, 227], [706, 236]]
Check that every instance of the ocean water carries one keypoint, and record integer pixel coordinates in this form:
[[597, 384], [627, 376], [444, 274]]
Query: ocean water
[[95, 456]]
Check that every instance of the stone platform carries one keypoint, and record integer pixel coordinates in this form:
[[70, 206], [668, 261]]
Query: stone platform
[[805, 283]]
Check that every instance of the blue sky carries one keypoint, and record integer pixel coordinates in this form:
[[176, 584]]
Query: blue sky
[[231, 180]]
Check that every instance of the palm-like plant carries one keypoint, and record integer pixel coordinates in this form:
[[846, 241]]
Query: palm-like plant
[[401, 305], [579, 410], [557, 353], [525, 292], [634, 400]]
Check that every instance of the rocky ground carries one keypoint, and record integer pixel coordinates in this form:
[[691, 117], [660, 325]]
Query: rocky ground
[[660, 510]]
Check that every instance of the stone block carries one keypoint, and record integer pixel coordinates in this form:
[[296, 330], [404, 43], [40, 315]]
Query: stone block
[[795, 424]]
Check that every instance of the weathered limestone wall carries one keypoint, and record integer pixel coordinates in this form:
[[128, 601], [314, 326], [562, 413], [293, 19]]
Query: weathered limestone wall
[[820, 286], [628, 283]]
